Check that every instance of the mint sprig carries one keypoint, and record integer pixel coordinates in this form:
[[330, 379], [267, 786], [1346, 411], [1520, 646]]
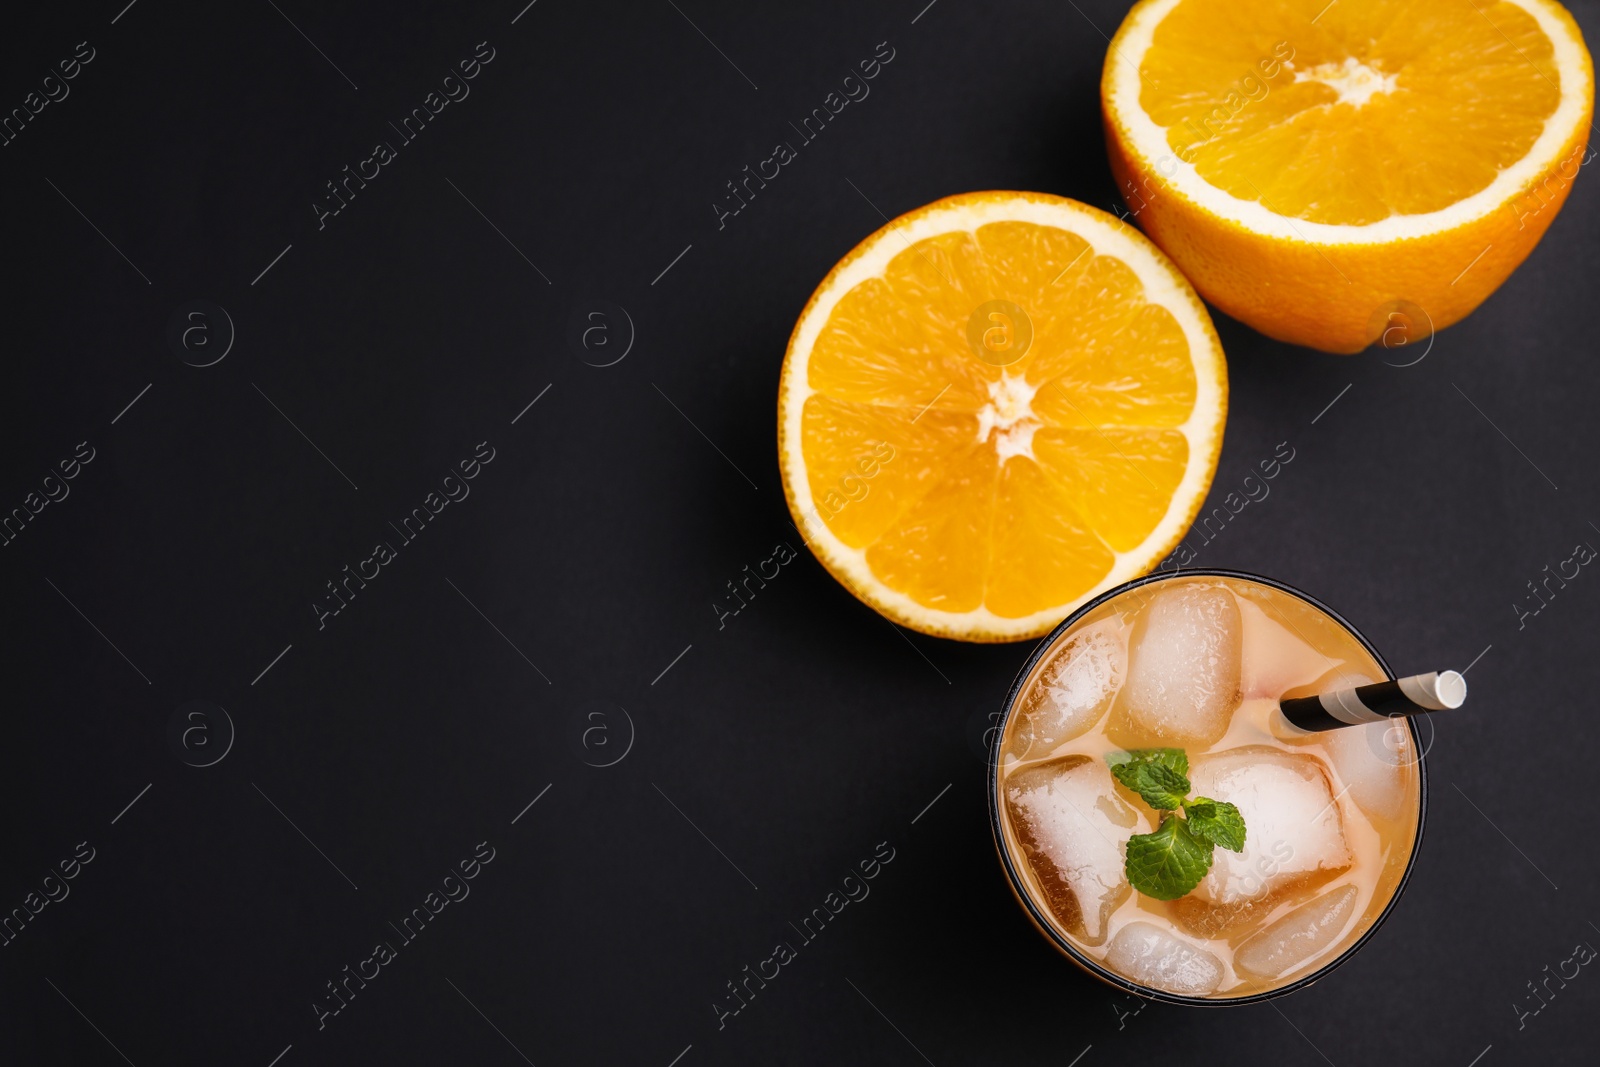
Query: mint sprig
[[1170, 862]]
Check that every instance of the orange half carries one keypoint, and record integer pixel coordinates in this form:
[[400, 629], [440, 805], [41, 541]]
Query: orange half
[[1336, 173], [996, 407]]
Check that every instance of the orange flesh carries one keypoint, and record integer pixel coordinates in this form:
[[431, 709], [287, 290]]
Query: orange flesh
[[1010, 487], [1376, 109]]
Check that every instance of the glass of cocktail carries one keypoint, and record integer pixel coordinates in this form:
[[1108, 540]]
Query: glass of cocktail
[[1167, 827]]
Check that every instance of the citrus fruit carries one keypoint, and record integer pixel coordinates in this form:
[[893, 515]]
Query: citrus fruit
[[1326, 176], [996, 407]]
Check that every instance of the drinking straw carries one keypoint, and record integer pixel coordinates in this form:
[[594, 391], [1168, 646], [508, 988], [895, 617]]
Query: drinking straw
[[1356, 705]]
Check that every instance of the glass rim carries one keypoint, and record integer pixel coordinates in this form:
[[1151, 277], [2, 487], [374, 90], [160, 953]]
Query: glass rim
[[1045, 923]]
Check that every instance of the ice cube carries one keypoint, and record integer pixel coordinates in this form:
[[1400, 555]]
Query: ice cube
[[1074, 690], [1371, 759], [1294, 836], [1298, 936], [1074, 829], [1183, 674], [1151, 956]]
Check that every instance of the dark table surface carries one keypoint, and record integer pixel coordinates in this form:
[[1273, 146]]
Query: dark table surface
[[251, 791]]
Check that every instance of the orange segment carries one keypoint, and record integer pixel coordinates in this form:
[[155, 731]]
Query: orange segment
[[1137, 372], [876, 350], [938, 554], [1043, 551], [1033, 265], [868, 464], [1090, 310], [995, 407], [1123, 480]]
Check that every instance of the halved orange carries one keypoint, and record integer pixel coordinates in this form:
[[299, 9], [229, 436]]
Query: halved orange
[[1330, 171], [996, 407]]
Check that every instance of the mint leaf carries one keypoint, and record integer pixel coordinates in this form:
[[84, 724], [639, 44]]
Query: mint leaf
[[1173, 758], [1216, 821], [1168, 863], [1161, 787]]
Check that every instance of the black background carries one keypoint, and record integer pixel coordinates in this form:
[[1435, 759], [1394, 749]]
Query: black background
[[776, 752]]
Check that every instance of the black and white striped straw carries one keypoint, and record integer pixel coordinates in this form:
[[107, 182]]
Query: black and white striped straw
[[1416, 695]]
